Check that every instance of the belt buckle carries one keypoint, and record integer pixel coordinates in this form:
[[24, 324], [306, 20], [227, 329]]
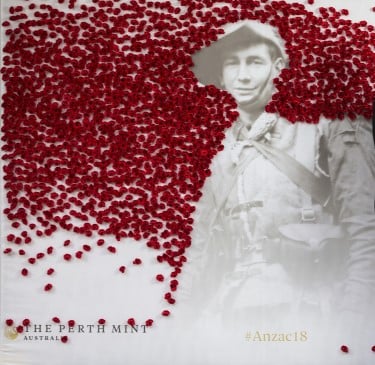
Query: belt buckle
[[308, 215]]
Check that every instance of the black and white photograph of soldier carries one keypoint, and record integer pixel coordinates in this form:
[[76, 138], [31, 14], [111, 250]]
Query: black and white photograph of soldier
[[286, 223]]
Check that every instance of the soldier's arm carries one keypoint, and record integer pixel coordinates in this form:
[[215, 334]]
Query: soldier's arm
[[205, 210], [351, 164]]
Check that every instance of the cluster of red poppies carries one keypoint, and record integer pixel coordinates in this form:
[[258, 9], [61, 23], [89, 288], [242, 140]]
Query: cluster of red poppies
[[106, 131]]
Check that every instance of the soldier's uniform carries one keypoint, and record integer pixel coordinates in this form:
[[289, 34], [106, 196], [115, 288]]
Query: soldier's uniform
[[263, 242], [287, 218]]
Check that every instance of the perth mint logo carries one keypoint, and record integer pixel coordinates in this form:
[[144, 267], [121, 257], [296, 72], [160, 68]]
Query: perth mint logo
[[54, 332]]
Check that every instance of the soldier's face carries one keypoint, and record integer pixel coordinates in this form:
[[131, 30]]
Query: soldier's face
[[248, 74]]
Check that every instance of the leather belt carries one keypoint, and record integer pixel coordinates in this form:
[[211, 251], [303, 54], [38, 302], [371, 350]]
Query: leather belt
[[244, 207]]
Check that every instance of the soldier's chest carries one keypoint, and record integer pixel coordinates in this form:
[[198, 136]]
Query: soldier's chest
[[256, 175]]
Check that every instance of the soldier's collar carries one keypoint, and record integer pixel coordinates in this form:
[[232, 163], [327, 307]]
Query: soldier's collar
[[260, 128]]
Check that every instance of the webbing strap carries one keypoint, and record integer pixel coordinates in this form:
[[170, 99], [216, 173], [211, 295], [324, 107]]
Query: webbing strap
[[317, 188]]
